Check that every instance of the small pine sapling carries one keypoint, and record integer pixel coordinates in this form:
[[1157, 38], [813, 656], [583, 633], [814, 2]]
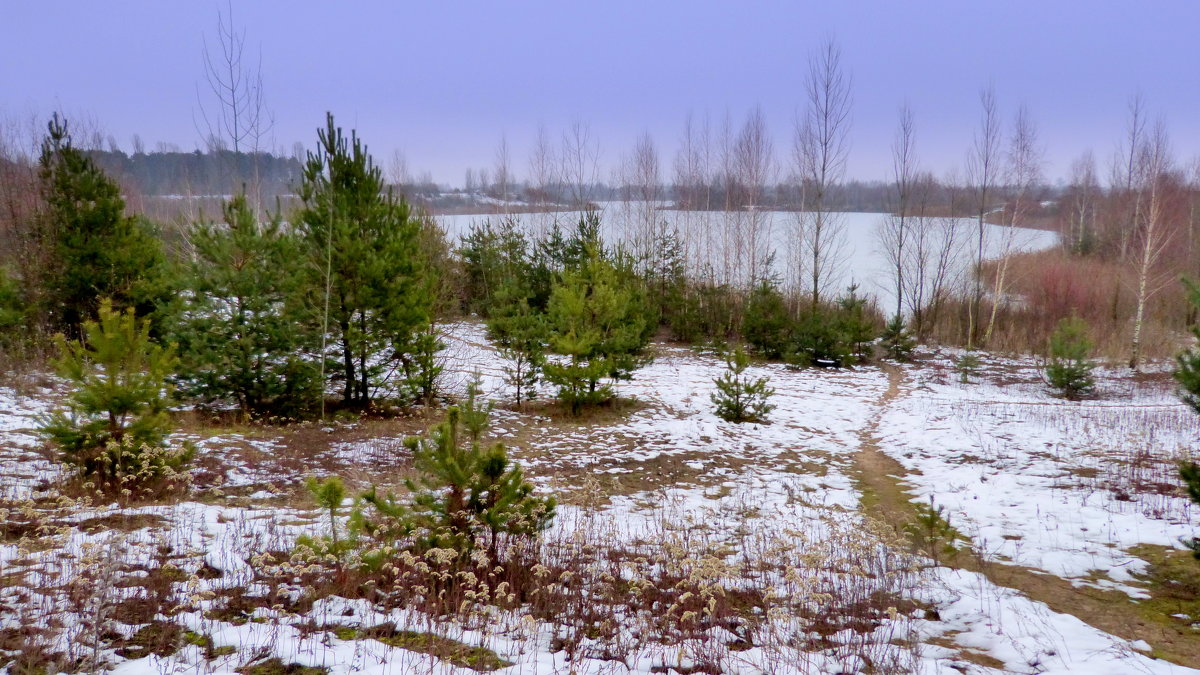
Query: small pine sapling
[[597, 320], [968, 366], [740, 398], [932, 532], [1068, 369], [465, 493], [329, 495], [898, 344], [115, 426]]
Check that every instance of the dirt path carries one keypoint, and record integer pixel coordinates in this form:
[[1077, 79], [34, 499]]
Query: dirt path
[[885, 495]]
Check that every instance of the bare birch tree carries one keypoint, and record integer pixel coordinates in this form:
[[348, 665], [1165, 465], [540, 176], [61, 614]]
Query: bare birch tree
[[693, 193], [502, 172], [1128, 177], [640, 189], [983, 171], [820, 151], [580, 162], [895, 231], [542, 171], [1153, 236], [754, 165], [1083, 194], [1024, 180]]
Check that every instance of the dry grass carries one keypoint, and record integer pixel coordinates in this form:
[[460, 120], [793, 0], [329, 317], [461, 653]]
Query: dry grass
[[1047, 286]]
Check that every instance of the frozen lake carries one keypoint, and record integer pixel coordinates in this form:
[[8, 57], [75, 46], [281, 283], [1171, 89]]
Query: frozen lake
[[732, 243]]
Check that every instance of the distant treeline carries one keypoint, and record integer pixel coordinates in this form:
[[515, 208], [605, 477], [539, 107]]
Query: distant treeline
[[218, 172], [224, 172]]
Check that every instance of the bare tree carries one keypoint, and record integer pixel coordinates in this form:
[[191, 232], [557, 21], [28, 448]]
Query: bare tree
[[398, 172], [730, 237], [894, 232], [754, 168], [931, 253], [503, 173], [1024, 180], [1083, 193], [236, 116], [25, 248], [1153, 235], [542, 176], [983, 171], [469, 182], [485, 179], [1128, 178], [1193, 223], [821, 149], [580, 158], [640, 189], [693, 193]]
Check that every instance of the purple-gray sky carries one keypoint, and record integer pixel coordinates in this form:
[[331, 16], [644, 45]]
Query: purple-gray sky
[[443, 80]]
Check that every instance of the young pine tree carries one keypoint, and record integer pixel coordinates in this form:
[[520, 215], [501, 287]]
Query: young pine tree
[[237, 332], [1187, 374], [465, 493], [12, 308], [766, 326], [96, 250], [897, 342], [368, 279], [1187, 364], [420, 365], [1068, 369], [818, 340], [492, 256], [115, 425], [740, 398], [855, 327], [520, 333], [597, 319]]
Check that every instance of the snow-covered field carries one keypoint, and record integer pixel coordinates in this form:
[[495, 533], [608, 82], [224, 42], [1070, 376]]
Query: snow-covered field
[[1062, 488]]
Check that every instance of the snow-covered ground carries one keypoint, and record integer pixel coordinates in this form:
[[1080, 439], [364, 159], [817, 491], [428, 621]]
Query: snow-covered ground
[[1065, 487], [1062, 487]]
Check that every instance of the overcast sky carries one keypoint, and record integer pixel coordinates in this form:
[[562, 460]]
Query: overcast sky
[[442, 81]]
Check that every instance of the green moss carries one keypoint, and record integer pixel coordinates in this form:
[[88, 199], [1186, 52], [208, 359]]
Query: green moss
[[449, 650], [1173, 579], [205, 642], [278, 667], [159, 638]]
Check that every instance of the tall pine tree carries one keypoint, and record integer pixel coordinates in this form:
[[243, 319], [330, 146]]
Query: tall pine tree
[[237, 336], [97, 250], [368, 280]]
